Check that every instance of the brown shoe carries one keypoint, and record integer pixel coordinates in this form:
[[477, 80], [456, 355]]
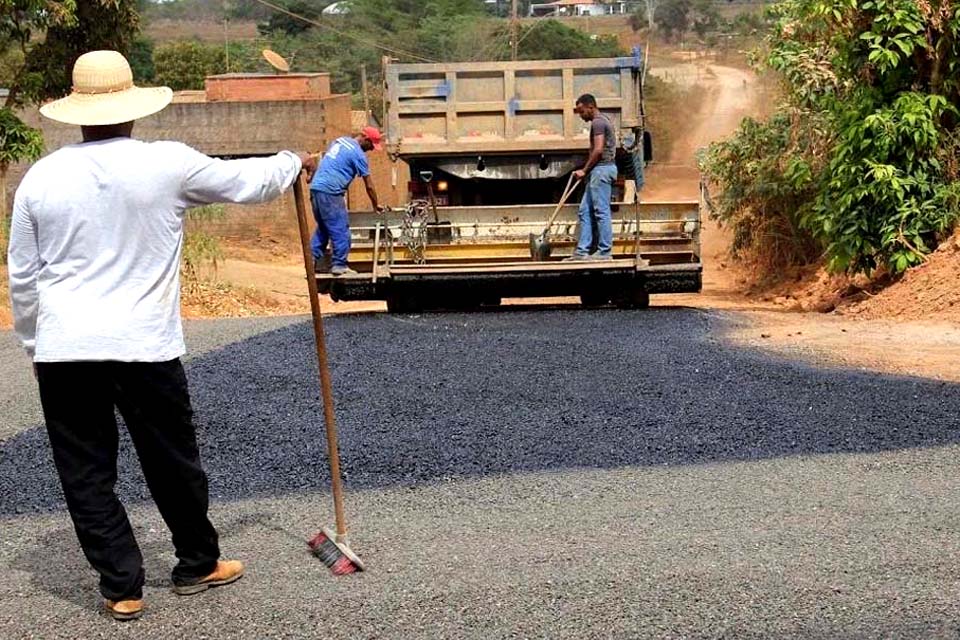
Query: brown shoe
[[227, 571], [124, 609]]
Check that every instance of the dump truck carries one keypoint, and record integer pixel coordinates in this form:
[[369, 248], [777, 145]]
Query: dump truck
[[491, 147]]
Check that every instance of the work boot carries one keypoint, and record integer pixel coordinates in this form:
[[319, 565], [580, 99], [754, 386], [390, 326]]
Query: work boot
[[342, 270], [577, 257], [322, 264], [227, 571], [601, 256], [124, 610]]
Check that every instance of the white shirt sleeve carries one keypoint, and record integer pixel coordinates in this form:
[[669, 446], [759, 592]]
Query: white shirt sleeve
[[24, 263], [251, 180]]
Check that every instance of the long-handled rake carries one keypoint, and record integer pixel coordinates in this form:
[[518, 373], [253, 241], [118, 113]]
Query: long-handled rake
[[331, 548]]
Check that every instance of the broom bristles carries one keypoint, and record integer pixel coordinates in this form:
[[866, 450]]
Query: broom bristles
[[339, 563]]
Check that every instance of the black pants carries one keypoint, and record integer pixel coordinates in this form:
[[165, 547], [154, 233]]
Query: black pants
[[78, 404]]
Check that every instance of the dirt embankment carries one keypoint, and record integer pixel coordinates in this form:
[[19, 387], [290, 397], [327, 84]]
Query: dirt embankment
[[931, 290]]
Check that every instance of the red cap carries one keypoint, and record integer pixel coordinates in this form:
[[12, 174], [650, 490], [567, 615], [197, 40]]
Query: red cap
[[374, 136]]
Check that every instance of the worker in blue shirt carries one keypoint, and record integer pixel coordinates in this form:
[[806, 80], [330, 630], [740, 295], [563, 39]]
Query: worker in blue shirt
[[344, 160]]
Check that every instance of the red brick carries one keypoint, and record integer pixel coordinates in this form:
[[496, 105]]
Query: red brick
[[249, 87]]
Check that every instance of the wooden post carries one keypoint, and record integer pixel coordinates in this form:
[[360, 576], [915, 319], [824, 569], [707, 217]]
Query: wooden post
[[226, 42], [384, 119], [365, 89], [514, 31]]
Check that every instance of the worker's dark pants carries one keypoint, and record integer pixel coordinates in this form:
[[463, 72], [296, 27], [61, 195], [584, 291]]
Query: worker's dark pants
[[78, 404]]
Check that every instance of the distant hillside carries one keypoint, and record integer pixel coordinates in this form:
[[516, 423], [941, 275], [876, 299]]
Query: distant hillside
[[164, 30]]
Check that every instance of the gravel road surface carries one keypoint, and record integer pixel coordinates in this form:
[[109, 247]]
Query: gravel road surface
[[527, 474]]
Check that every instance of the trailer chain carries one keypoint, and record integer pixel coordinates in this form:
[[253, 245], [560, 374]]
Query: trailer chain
[[413, 229]]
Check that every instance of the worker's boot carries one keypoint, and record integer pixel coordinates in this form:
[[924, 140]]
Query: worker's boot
[[226, 571], [322, 264], [124, 610], [601, 256], [577, 257], [342, 270]]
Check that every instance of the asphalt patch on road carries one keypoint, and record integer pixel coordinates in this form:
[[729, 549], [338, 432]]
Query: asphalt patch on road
[[434, 397]]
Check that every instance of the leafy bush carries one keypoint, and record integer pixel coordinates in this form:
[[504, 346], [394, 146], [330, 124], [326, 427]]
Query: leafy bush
[[201, 249], [141, 60], [184, 65], [874, 91], [18, 143], [768, 173], [883, 200]]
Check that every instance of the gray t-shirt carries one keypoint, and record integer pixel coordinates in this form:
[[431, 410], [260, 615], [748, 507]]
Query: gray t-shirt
[[599, 125]]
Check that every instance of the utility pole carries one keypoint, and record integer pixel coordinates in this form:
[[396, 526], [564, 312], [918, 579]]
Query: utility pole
[[226, 35], [365, 89], [514, 31], [226, 44]]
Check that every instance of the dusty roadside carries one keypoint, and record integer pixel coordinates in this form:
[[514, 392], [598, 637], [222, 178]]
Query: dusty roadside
[[922, 348], [6, 320]]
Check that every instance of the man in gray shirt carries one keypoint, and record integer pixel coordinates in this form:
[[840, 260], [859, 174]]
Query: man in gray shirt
[[94, 265], [600, 171]]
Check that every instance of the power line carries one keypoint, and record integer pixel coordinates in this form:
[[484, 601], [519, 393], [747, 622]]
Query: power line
[[495, 43], [531, 30], [398, 52]]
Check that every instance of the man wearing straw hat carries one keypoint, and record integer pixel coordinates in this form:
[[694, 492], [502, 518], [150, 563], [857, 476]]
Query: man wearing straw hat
[[94, 258]]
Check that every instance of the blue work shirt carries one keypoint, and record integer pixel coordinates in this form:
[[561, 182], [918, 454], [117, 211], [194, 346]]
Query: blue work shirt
[[343, 161]]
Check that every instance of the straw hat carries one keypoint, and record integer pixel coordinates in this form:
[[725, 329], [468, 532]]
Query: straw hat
[[104, 93]]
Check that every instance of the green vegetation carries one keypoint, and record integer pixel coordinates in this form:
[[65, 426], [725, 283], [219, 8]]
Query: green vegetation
[[409, 30], [861, 162], [184, 65], [141, 60], [200, 247]]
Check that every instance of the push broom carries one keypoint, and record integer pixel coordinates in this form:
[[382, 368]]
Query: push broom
[[331, 548]]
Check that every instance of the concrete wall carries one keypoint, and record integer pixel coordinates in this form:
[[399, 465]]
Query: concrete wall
[[231, 128]]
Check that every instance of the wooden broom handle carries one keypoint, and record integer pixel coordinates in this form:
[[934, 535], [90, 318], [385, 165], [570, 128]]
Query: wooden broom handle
[[326, 388]]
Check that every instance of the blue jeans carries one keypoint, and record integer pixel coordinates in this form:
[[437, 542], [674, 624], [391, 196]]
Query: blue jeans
[[333, 227], [595, 207]]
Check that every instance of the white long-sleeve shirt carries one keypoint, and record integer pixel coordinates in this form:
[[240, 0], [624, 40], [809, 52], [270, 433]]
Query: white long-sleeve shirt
[[96, 238]]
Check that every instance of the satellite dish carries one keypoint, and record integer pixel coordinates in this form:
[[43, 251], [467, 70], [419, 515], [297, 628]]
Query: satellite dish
[[276, 61]]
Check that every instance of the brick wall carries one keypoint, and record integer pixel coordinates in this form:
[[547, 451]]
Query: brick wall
[[246, 87]]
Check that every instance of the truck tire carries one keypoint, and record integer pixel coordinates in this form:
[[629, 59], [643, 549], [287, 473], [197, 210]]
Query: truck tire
[[594, 299], [403, 304], [635, 298]]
